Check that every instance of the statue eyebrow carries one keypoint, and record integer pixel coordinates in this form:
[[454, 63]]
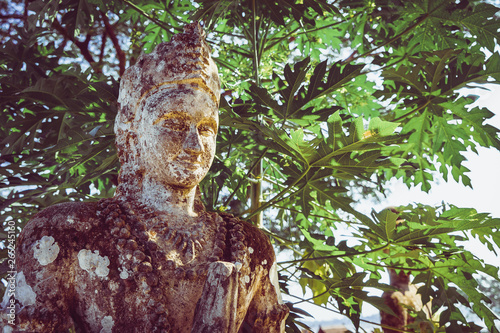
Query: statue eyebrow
[[173, 114]]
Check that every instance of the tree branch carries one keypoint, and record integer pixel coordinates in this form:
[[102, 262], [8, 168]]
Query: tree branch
[[103, 45], [163, 25], [119, 52], [231, 196], [83, 46], [345, 254], [12, 16]]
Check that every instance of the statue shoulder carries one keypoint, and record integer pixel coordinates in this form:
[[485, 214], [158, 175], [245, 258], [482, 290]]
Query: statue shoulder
[[248, 242], [61, 221], [68, 215]]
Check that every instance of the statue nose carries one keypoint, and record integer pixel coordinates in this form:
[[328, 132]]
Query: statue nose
[[192, 143]]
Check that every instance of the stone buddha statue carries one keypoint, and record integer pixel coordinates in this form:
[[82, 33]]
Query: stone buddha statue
[[151, 259]]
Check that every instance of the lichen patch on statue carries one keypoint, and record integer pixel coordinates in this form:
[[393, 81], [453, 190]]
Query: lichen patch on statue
[[93, 263], [46, 250], [107, 324], [24, 292]]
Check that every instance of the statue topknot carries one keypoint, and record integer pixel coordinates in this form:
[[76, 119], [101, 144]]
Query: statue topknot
[[185, 60]]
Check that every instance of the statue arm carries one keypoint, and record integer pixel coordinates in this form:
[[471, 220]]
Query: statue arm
[[216, 309], [39, 303], [266, 310], [41, 279]]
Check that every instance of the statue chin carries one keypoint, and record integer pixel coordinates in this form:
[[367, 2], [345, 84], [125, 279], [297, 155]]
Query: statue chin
[[142, 261], [179, 175]]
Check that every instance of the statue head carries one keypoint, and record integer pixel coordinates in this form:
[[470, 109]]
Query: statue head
[[168, 116]]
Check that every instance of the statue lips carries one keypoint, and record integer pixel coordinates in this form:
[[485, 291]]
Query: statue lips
[[189, 164], [189, 161]]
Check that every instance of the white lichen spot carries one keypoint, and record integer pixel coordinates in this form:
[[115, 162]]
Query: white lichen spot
[[238, 266], [107, 324], [93, 262], [45, 250], [24, 293], [5, 300], [123, 274], [264, 262], [273, 276], [250, 250], [246, 278], [70, 220], [113, 286], [7, 329]]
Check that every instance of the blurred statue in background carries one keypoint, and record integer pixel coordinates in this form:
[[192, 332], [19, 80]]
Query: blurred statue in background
[[151, 259]]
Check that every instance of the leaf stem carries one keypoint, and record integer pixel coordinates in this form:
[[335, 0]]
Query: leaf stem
[[256, 192], [277, 40], [149, 17], [310, 299], [231, 196], [393, 39], [278, 196], [315, 215], [338, 311], [412, 111], [345, 254], [409, 268]]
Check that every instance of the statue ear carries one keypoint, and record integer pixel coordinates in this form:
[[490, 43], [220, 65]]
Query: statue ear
[[126, 113], [127, 147], [133, 146], [132, 169]]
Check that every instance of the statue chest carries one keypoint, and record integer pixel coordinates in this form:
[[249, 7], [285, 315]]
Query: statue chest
[[156, 274], [152, 295]]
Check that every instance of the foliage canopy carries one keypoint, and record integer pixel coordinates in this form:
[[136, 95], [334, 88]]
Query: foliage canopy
[[327, 98]]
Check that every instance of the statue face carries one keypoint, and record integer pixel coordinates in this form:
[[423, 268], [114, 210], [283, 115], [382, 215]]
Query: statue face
[[177, 134]]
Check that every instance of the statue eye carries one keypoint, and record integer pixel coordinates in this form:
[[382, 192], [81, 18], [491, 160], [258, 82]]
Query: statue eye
[[206, 129], [175, 124]]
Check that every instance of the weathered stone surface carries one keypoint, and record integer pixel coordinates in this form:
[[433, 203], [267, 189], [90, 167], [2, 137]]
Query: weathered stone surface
[[151, 259], [216, 309]]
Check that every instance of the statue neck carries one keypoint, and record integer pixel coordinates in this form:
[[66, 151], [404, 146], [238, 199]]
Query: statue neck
[[164, 198], [167, 198]]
